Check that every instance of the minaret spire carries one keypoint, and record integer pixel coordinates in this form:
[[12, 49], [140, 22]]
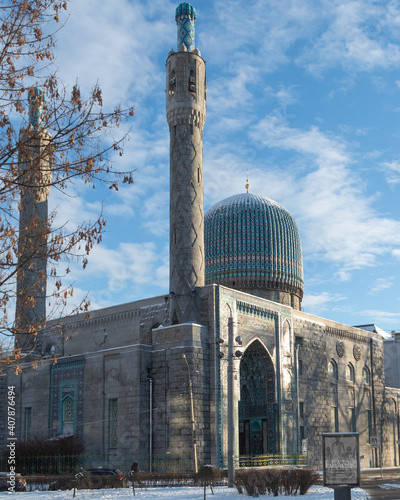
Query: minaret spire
[[186, 113], [35, 179], [185, 17]]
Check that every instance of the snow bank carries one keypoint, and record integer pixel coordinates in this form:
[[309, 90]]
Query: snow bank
[[315, 493]]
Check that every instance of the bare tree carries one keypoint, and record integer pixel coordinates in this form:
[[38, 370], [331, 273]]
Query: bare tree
[[46, 142]]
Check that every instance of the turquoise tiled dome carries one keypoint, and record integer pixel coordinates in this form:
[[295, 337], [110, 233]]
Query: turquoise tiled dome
[[252, 243]]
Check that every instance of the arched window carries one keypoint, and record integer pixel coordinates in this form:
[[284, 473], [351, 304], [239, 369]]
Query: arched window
[[393, 418], [332, 369], [192, 81], [68, 410], [172, 82], [68, 416], [350, 375], [257, 409], [366, 376]]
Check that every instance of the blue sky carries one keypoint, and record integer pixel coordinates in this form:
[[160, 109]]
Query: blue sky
[[303, 94]]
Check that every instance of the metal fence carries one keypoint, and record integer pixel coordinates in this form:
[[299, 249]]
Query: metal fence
[[272, 460], [70, 464], [49, 465], [165, 462]]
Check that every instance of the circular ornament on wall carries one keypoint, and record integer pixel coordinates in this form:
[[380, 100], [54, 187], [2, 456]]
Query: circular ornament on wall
[[340, 348], [357, 352]]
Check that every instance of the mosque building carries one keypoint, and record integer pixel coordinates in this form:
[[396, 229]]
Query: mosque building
[[230, 330]]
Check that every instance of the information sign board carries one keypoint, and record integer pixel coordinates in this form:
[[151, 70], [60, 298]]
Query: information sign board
[[341, 456]]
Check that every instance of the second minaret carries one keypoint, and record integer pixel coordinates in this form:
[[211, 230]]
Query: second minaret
[[186, 113]]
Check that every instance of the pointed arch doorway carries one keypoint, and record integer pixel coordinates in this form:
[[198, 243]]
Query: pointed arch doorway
[[258, 433]]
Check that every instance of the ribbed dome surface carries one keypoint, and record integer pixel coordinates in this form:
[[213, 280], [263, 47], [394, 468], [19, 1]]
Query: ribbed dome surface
[[252, 242], [185, 9]]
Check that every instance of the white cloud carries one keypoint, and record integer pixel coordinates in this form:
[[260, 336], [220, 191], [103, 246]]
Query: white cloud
[[392, 172], [231, 91], [390, 319], [381, 284], [241, 29], [359, 35], [155, 211], [146, 154], [286, 96], [353, 37], [396, 253], [72, 207], [343, 275], [116, 44], [320, 302], [127, 263], [119, 274], [336, 217]]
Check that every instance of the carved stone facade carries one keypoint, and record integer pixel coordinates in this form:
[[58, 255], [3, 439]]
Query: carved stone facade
[[107, 365]]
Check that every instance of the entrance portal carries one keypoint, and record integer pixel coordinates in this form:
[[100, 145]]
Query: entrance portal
[[257, 405]]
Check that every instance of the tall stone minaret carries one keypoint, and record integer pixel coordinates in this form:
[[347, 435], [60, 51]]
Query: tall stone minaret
[[34, 181], [186, 114]]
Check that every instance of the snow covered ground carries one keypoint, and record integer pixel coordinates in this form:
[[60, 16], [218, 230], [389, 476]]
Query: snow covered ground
[[387, 486], [315, 493]]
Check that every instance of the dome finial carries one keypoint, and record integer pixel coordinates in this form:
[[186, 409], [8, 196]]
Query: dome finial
[[247, 186]]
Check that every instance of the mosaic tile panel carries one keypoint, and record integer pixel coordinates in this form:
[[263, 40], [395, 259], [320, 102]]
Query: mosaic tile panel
[[67, 381]]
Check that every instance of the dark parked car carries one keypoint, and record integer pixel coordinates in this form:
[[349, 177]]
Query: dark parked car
[[6, 482], [105, 478]]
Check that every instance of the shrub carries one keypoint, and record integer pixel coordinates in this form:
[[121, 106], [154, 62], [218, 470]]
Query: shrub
[[307, 479], [207, 476], [246, 480], [275, 481], [47, 456]]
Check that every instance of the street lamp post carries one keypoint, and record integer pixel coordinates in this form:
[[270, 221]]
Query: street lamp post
[[192, 417]]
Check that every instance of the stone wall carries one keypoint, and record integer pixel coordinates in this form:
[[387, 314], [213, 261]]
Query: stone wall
[[124, 351], [391, 428], [392, 356], [172, 431], [323, 393]]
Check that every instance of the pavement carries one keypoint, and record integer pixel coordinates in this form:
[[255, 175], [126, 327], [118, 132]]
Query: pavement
[[383, 486]]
